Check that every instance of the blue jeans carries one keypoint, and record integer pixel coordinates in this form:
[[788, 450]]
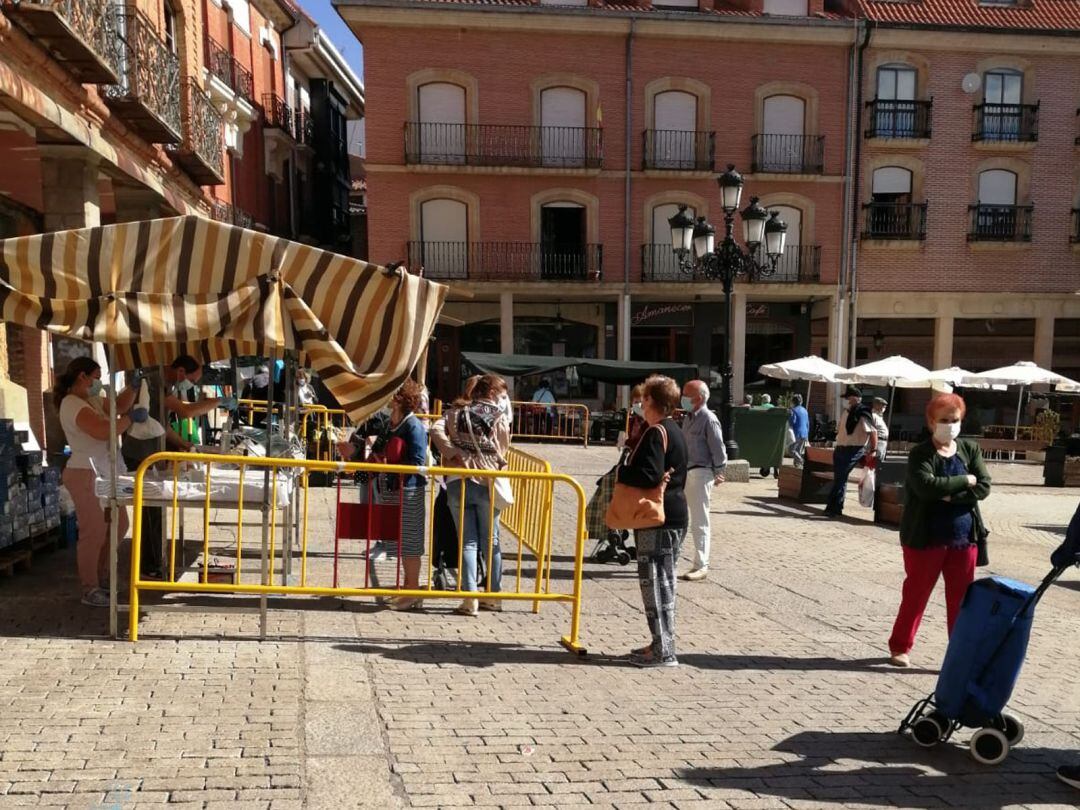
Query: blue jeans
[[474, 527], [844, 460]]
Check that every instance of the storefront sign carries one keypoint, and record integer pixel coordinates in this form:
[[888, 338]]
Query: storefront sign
[[757, 310], [662, 315]]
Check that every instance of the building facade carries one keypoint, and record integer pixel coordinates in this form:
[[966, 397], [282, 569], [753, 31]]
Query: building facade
[[114, 112], [542, 192]]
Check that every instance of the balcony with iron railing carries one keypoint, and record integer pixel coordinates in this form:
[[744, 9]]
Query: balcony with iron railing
[[80, 34], [201, 153], [1000, 223], [508, 261], [894, 118], [304, 128], [147, 93], [1074, 237], [497, 145], [788, 154], [278, 114], [677, 150], [228, 70], [1006, 123], [892, 220], [800, 264], [226, 212]]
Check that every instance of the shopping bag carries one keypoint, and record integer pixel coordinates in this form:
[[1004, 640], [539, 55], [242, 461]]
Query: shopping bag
[[866, 487]]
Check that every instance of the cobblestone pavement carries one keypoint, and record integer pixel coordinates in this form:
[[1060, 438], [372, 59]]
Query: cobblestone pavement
[[782, 699]]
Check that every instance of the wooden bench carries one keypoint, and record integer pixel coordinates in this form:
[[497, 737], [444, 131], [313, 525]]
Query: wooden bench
[[1008, 448]]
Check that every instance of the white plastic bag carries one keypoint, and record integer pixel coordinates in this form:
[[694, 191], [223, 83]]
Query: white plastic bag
[[151, 428], [866, 488]]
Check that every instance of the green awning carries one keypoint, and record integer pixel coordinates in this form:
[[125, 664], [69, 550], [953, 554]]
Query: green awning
[[619, 372]]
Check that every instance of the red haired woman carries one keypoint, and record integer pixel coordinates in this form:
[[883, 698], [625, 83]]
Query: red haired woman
[[946, 479]]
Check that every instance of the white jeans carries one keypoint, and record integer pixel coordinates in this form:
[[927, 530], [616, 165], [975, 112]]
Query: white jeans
[[698, 490]]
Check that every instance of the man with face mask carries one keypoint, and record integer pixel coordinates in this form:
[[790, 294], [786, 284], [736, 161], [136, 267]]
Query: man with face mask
[[706, 458], [855, 439], [181, 378]]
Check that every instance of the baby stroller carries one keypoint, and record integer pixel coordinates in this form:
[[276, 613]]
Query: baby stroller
[[982, 664], [610, 543]]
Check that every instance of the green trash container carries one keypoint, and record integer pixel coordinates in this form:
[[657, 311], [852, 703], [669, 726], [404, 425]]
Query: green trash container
[[760, 433]]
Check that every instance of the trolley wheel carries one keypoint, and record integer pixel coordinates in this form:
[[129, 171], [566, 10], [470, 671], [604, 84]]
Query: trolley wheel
[[623, 557], [1013, 729], [927, 731], [989, 746], [764, 472]]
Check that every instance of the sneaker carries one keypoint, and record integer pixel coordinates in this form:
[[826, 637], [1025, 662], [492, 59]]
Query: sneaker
[[494, 605], [377, 553], [648, 660], [696, 575], [406, 603], [468, 607], [96, 597], [900, 660], [1070, 775]]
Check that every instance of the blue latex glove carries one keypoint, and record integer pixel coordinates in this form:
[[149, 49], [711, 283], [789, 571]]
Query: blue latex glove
[[137, 376], [139, 415], [1068, 553], [228, 403]]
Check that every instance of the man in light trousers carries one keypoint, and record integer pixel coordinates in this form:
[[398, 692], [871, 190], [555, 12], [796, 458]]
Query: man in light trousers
[[706, 458]]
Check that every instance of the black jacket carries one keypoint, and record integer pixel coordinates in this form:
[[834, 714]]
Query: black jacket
[[646, 467]]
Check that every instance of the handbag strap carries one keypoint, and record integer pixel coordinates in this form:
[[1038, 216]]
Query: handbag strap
[[664, 439]]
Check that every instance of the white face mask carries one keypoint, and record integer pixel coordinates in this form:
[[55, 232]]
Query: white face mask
[[945, 432], [638, 409]]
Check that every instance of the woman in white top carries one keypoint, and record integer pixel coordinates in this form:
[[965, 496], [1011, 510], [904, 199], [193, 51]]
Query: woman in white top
[[86, 427]]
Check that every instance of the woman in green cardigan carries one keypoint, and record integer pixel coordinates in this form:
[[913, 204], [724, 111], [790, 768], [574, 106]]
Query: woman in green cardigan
[[941, 527]]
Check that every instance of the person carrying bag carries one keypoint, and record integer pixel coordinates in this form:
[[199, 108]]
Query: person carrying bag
[[649, 498]]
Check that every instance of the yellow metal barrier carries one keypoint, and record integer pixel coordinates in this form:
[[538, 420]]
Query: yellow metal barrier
[[528, 520], [562, 421]]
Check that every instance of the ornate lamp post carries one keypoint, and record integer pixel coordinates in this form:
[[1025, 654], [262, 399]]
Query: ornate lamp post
[[695, 246]]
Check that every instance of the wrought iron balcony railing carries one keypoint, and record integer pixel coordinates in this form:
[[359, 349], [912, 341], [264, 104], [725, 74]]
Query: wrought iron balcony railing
[[887, 220], [279, 115], [788, 154], [1074, 237], [225, 67], [1009, 123], [147, 95], [1000, 223], [507, 261], [226, 212], [202, 151], [304, 128], [496, 145], [893, 118], [80, 34], [799, 264], [678, 150]]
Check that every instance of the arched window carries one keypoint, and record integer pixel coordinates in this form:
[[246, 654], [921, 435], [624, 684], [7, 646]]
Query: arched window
[[790, 266], [673, 143], [895, 111], [171, 26], [562, 126], [997, 217], [660, 262], [781, 147], [563, 240], [444, 238], [997, 187], [1003, 117], [441, 123], [890, 214]]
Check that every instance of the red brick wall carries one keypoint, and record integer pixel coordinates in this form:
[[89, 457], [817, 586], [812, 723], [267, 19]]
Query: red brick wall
[[506, 63], [950, 161]]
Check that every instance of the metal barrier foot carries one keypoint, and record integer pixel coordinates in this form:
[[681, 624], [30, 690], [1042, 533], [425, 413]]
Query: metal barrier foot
[[573, 647]]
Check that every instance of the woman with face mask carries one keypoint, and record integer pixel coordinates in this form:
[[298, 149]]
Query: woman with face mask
[[86, 427], [941, 530], [636, 424]]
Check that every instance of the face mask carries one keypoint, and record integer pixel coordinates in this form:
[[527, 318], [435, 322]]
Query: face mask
[[183, 386], [637, 409], [687, 404], [95, 388], [945, 432]]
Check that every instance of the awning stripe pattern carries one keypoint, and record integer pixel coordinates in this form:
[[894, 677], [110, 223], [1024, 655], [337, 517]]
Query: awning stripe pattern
[[158, 288]]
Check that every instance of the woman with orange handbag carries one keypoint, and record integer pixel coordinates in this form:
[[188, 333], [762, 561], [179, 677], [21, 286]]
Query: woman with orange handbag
[[659, 462]]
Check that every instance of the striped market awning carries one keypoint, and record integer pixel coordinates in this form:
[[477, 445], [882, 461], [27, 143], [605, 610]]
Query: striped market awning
[[160, 288]]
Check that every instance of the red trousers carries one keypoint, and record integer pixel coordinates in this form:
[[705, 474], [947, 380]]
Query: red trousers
[[922, 567]]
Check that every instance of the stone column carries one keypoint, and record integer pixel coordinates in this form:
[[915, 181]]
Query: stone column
[[69, 195], [1044, 341], [506, 330], [944, 326], [135, 203], [737, 328], [623, 337]]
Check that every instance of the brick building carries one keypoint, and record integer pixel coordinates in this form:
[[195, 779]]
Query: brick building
[[531, 152], [115, 112]]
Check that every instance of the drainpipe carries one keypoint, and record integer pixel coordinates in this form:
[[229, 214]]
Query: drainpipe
[[628, 148], [853, 216]]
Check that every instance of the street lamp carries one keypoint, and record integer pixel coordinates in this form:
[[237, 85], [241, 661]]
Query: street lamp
[[695, 247]]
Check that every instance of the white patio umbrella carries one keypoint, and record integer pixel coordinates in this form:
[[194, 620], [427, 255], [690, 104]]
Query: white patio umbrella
[[945, 379], [812, 369], [895, 372], [1025, 373]]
